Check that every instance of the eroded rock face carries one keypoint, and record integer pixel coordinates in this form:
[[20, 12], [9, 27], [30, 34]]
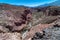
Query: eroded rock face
[[25, 18], [10, 36], [13, 21], [16, 20]]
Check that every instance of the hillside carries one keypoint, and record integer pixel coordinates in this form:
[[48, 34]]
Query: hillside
[[26, 21]]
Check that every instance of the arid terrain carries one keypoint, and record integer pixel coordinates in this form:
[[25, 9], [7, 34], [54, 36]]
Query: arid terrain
[[28, 23]]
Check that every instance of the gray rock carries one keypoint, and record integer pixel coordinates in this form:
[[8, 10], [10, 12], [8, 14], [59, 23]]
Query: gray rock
[[52, 33]]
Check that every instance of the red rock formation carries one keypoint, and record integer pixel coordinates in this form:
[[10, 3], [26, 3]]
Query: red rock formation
[[17, 21]]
